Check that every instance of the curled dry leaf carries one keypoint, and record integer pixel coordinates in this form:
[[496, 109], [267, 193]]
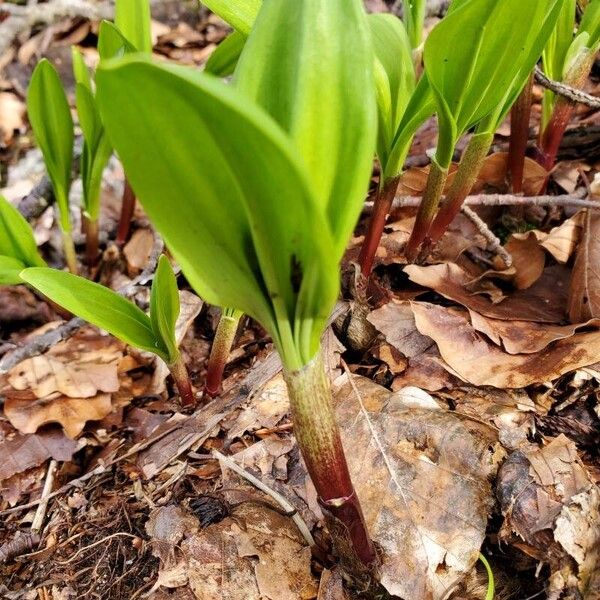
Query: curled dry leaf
[[12, 114], [544, 301], [584, 292], [528, 259], [524, 337], [550, 502], [138, 249], [562, 241], [422, 478], [427, 371], [479, 362]]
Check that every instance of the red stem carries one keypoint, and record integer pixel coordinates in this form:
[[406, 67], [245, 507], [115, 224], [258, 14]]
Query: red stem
[[92, 243], [519, 136], [381, 210], [127, 210], [219, 354], [181, 377]]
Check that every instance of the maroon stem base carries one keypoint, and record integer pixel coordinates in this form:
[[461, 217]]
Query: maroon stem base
[[127, 210]]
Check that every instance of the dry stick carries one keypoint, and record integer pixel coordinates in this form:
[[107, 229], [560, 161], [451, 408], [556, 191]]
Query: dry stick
[[44, 342], [494, 243], [289, 509], [567, 91], [40, 514]]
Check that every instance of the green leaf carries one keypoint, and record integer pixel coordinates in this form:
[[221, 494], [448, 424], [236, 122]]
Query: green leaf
[[310, 65], [132, 18], [16, 237], [470, 75], [223, 60], [240, 14], [51, 121], [395, 78], [96, 149], [111, 42], [97, 305], [590, 23], [164, 307], [414, 16], [558, 43], [80, 70], [10, 270], [204, 142]]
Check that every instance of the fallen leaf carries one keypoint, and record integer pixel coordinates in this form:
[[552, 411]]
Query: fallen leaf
[[427, 371], [72, 413], [562, 241], [396, 322], [331, 586], [138, 249], [545, 301], [414, 180], [23, 452], [44, 375], [528, 259], [422, 476], [550, 502], [584, 292], [478, 361], [524, 337], [12, 113], [494, 174]]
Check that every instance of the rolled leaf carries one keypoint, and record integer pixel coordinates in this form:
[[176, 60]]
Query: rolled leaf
[[224, 59], [132, 18], [97, 305], [111, 42], [164, 307], [240, 14], [10, 270], [51, 121]]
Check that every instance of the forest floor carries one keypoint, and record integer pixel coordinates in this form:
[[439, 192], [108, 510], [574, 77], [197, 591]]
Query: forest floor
[[109, 489]]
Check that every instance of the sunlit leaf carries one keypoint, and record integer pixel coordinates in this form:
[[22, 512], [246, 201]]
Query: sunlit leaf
[[10, 270], [132, 18], [240, 14], [111, 42], [223, 60], [51, 121]]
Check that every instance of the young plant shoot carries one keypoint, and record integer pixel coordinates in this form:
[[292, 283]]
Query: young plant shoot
[[475, 80], [18, 249], [219, 353], [256, 188], [413, 12], [568, 60], [106, 309], [52, 124], [95, 154]]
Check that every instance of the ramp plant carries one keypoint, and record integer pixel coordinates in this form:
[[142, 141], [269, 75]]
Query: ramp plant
[[95, 153], [567, 59], [108, 310], [475, 81], [256, 188], [52, 124], [18, 249]]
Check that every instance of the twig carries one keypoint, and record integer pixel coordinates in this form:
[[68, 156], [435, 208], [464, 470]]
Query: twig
[[494, 243], [283, 502], [44, 342], [40, 514], [571, 93], [500, 200]]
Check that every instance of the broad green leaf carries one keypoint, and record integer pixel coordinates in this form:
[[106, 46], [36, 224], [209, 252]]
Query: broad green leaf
[[132, 18], [51, 121], [310, 65], [16, 237], [226, 189], [240, 14], [111, 42], [559, 41], [223, 60], [10, 270], [395, 78], [470, 75], [164, 307], [80, 70], [97, 305]]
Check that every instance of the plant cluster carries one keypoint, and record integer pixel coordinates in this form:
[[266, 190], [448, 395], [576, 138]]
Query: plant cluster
[[256, 183]]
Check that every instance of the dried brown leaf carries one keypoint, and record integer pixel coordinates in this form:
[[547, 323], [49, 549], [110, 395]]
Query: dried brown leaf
[[494, 174], [12, 114], [478, 361], [584, 292], [72, 413], [544, 301], [422, 478], [138, 249], [524, 337], [561, 241], [528, 259]]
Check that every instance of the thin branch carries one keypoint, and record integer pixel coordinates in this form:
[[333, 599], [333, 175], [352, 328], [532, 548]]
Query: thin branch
[[495, 245], [500, 200], [568, 92], [283, 502], [40, 514]]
